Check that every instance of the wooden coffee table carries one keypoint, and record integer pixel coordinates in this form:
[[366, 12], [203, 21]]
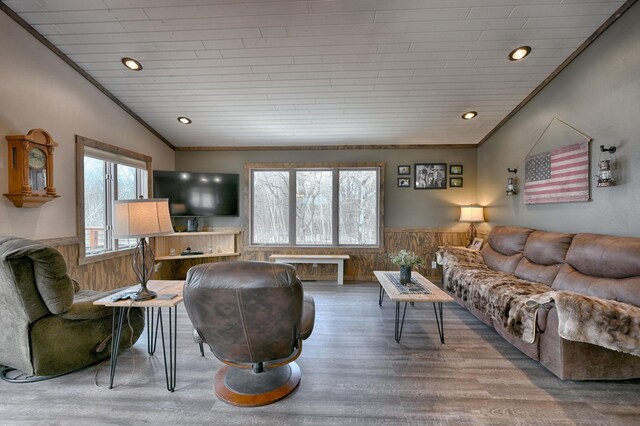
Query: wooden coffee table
[[421, 290]]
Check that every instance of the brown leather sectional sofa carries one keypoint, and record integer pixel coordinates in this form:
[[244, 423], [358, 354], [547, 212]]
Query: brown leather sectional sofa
[[593, 272]]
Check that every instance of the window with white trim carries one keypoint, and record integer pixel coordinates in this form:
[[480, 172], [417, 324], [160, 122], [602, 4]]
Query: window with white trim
[[316, 206], [108, 176]]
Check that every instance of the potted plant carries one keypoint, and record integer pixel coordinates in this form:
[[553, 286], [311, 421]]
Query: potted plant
[[406, 260]]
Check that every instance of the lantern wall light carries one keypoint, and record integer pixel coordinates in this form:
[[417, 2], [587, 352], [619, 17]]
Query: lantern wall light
[[512, 181], [606, 165]]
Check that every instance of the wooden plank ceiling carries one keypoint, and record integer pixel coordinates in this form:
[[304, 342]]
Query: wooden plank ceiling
[[263, 73]]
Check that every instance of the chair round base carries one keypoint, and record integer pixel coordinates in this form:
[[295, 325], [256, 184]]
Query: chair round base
[[244, 388]]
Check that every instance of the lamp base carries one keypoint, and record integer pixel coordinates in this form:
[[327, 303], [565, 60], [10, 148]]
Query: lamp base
[[143, 294], [471, 233], [143, 260]]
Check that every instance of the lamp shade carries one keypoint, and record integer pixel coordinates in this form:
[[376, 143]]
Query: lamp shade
[[142, 218], [471, 214]]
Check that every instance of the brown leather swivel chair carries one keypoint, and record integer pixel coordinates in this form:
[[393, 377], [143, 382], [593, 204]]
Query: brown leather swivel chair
[[253, 316]]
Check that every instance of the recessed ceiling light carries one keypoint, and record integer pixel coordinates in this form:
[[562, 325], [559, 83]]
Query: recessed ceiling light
[[132, 64], [519, 53], [184, 120], [469, 115]]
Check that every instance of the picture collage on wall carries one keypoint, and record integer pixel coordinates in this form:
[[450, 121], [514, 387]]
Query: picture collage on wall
[[455, 175], [404, 179], [430, 176]]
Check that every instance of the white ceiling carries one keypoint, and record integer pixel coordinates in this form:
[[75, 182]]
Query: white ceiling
[[325, 72]]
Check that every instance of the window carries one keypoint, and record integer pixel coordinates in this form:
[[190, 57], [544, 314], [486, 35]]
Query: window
[[106, 174], [316, 206]]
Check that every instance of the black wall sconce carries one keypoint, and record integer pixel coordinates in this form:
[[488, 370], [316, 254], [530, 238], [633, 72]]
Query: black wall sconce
[[605, 167], [512, 181]]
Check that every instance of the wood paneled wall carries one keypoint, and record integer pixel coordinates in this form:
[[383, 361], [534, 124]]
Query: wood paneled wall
[[177, 269], [103, 275], [117, 272], [360, 267]]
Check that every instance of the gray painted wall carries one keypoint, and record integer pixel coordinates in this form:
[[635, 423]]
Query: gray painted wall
[[599, 94], [404, 207], [39, 90]]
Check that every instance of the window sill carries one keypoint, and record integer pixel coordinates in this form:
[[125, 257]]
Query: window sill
[[86, 260]]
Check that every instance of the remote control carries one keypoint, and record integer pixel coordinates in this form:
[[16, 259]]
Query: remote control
[[123, 296]]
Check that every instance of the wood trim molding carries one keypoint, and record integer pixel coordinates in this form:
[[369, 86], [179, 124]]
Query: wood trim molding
[[248, 166], [432, 230], [85, 141], [80, 198], [560, 68], [13, 15], [321, 147]]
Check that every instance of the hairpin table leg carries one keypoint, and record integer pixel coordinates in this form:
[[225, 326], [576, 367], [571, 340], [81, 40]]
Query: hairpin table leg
[[439, 320], [399, 324], [116, 332], [170, 367]]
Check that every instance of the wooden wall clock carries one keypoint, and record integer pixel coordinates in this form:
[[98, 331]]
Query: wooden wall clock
[[30, 168]]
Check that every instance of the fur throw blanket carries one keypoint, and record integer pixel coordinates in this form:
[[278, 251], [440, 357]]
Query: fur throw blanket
[[588, 319], [514, 304], [500, 296], [460, 255]]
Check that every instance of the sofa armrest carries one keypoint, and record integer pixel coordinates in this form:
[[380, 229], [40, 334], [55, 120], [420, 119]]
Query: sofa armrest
[[460, 255], [588, 319]]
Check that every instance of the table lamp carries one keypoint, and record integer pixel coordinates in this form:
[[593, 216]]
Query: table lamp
[[471, 214], [141, 218]]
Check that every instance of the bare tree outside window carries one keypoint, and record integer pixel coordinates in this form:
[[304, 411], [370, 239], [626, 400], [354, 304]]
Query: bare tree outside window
[[99, 194], [105, 174], [270, 207], [327, 207], [358, 207], [314, 200], [94, 204], [127, 189]]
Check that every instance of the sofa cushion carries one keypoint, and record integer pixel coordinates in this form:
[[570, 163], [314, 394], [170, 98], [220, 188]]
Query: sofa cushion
[[544, 254], [605, 255], [603, 266], [505, 248]]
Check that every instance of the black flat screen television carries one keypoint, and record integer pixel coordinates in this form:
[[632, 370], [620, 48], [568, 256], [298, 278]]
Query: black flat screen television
[[197, 194]]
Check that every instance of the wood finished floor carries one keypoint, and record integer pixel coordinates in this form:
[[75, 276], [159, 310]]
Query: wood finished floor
[[353, 372]]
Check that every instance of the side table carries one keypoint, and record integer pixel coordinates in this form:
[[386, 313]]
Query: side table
[[164, 289]]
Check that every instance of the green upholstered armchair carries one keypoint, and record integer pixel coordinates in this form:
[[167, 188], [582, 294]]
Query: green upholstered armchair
[[49, 327]]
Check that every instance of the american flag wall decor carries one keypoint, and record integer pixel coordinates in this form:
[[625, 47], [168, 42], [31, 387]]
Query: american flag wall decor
[[558, 176]]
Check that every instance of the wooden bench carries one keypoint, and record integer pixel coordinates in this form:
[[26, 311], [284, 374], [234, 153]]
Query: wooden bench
[[337, 259]]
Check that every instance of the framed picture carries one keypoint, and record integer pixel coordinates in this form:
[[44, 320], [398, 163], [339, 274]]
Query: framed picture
[[404, 183], [476, 244], [404, 170], [430, 176], [455, 169], [455, 182]]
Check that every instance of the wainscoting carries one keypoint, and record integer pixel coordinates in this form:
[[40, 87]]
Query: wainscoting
[[359, 267], [100, 276], [117, 272]]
